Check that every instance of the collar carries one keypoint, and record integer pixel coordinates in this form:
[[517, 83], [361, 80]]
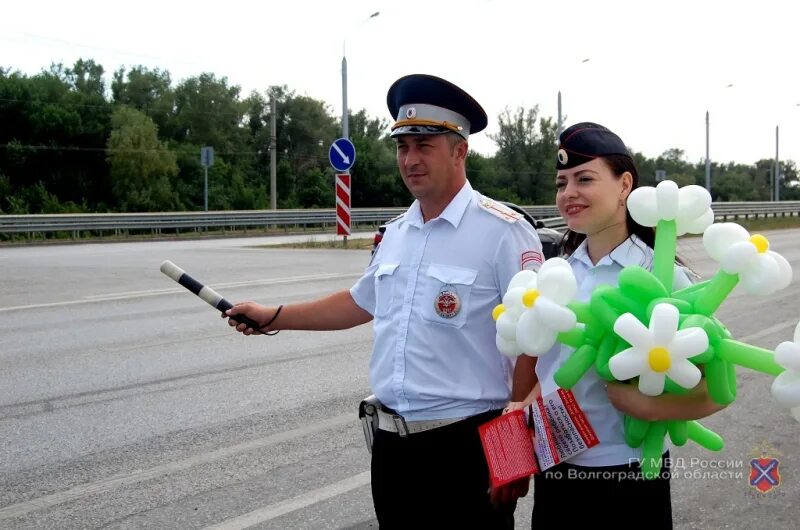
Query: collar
[[453, 213], [632, 251]]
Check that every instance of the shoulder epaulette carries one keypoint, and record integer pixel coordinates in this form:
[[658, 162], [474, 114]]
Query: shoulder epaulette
[[393, 219], [499, 210]]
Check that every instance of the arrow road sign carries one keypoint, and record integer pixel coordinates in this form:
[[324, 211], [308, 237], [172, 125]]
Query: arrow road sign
[[342, 154]]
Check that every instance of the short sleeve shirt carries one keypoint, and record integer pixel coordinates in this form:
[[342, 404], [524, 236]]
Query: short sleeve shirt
[[590, 391], [431, 289]]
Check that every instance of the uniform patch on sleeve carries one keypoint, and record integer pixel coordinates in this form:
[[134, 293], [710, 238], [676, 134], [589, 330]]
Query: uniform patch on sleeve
[[531, 260]]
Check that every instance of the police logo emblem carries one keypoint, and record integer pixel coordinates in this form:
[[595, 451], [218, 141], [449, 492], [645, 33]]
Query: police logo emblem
[[562, 157], [447, 303], [411, 113]]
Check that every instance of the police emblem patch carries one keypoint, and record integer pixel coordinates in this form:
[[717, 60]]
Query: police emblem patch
[[447, 303], [411, 113]]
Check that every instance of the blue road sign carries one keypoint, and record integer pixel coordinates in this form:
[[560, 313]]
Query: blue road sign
[[342, 154], [207, 156]]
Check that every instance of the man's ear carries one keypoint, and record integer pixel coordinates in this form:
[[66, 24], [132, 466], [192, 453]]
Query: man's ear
[[462, 148]]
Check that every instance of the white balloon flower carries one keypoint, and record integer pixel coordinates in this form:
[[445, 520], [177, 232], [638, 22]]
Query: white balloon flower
[[760, 270], [689, 206], [658, 352], [786, 387], [533, 311]]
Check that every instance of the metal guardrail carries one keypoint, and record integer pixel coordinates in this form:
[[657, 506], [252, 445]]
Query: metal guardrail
[[124, 223], [723, 211]]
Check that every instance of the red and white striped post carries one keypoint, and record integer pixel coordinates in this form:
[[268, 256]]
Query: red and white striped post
[[343, 205]]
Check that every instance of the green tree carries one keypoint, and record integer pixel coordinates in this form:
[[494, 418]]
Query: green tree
[[58, 121], [524, 159], [208, 111], [304, 130], [316, 190], [146, 90], [141, 166], [375, 179]]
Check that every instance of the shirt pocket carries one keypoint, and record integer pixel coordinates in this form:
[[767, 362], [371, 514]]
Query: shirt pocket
[[446, 292], [385, 288]]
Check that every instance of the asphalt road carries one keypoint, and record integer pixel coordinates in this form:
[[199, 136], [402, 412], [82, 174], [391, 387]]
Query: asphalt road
[[126, 402]]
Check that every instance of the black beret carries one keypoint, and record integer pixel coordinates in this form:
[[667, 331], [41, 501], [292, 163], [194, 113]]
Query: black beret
[[586, 141], [425, 104]]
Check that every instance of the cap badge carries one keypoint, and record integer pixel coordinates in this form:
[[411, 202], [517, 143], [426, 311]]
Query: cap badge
[[411, 112], [447, 303], [562, 157]]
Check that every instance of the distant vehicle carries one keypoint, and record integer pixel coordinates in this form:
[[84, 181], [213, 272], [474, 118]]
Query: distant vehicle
[[550, 238]]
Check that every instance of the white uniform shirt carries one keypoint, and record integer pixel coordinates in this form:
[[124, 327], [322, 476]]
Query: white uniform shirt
[[429, 364], [589, 391]]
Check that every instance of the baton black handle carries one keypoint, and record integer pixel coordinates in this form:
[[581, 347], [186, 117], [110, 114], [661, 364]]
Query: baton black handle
[[209, 295]]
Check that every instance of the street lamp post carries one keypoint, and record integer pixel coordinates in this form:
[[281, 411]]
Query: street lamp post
[[708, 158], [777, 172], [345, 113]]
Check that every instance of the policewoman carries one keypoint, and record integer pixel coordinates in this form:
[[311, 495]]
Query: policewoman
[[595, 175], [430, 289]]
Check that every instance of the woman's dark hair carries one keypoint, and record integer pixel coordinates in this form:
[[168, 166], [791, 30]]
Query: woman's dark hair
[[618, 164]]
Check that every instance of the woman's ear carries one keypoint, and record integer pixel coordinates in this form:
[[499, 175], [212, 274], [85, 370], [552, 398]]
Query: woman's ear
[[627, 184]]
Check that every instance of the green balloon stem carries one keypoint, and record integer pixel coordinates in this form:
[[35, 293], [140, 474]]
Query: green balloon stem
[[678, 431], [575, 367], [635, 431], [732, 379], [653, 450], [664, 253], [704, 437], [748, 356], [691, 293], [582, 311], [715, 292], [608, 347], [574, 337], [716, 373]]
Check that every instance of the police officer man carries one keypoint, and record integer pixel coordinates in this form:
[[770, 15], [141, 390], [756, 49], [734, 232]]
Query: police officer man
[[430, 289]]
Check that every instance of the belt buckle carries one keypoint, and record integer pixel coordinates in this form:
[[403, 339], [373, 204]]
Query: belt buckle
[[400, 423]]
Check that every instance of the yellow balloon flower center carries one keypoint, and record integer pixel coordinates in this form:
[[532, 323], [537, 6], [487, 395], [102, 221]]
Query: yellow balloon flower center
[[760, 242], [529, 298], [498, 310], [659, 359]]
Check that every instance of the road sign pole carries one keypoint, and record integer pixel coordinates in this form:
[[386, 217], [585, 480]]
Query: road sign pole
[[206, 159], [342, 156], [343, 205]]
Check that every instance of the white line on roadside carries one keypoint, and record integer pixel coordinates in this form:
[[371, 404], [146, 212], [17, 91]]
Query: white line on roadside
[[159, 292], [107, 484], [295, 503], [766, 332]]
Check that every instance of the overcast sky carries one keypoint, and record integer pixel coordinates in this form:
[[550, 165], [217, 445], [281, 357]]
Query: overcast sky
[[654, 67]]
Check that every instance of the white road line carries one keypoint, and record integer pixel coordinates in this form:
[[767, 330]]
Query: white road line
[[289, 505], [159, 292], [766, 332], [107, 484]]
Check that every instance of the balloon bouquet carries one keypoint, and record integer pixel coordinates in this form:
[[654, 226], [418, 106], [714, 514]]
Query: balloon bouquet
[[642, 328]]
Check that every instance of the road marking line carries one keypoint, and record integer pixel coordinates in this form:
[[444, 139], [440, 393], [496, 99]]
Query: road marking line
[[289, 505], [159, 292], [107, 484], [766, 332]]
